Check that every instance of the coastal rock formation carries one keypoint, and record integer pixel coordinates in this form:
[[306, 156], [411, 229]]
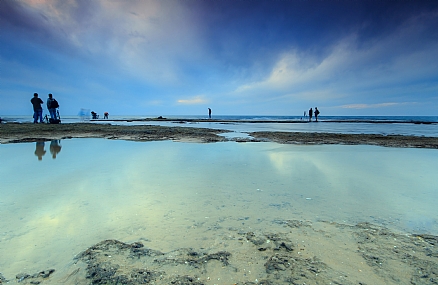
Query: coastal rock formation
[[26, 132], [302, 253]]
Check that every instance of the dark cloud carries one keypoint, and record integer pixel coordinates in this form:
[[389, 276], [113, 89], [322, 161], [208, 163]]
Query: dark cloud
[[249, 28]]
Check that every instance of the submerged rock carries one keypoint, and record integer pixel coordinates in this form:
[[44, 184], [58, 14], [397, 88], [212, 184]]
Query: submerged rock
[[36, 278]]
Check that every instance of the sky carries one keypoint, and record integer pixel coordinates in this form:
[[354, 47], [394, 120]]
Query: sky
[[237, 57]]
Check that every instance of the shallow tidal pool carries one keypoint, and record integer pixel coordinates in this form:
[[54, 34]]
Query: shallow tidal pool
[[59, 198]]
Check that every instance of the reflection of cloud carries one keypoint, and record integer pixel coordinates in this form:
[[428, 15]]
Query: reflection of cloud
[[193, 101]]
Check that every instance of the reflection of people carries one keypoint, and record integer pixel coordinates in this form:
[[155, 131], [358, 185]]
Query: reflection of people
[[37, 109], [39, 150], [52, 104], [316, 113], [209, 113], [55, 148], [105, 115], [310, 114]]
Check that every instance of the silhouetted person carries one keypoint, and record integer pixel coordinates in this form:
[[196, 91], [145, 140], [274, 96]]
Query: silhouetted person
[[94, 115], [55, 148], [310, 114], [316, 113], [37, 109], [209, 113], [52, 104], [105, 115], [39, 150]]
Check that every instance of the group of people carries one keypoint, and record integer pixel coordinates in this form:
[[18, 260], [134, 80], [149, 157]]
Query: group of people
[[52, 106], [311, 113], [95, 116]]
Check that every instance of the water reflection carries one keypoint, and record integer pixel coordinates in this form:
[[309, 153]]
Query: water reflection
[[55, 148], [187, 195], [39, 149]]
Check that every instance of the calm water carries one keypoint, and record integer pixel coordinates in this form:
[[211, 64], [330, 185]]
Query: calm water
[[52, 208]]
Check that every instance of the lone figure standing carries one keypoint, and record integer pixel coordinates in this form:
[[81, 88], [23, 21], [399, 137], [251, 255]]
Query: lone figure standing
[[316, 113], [209, 113], [37, 109], [310, 114]]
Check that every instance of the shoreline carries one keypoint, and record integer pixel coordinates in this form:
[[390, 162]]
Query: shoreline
[[28, 132], [288, 121]]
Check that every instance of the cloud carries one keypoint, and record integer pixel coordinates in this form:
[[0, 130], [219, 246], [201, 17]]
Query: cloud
[[351, 67], [193, 101], [368, 106], [147, 40]]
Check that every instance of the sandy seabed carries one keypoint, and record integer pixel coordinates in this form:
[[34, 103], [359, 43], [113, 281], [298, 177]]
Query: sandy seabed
[[281, 252]]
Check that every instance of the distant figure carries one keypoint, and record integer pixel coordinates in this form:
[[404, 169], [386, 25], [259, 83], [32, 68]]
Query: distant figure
[[84, 114], [52, 104], [94, 115], [316, 113], [209, 113], [55, 148], [310, 114], [37, 109], [105, 115], [39, 150], [305, 114]]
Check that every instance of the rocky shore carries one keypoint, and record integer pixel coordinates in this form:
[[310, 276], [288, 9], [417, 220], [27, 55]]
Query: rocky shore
[[301, 253], [25, 132]]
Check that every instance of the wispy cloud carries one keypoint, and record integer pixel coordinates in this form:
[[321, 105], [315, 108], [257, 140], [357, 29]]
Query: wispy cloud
[[193, 101], [368, 106], [352, 68]]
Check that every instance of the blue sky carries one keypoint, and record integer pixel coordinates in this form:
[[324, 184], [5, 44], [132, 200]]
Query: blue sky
[[239, 57]]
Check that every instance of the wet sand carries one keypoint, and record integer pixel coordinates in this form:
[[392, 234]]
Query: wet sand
[[25, 132]]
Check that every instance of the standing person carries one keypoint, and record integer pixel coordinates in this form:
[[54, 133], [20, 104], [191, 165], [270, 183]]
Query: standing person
[[310, 114], [37, 109], [316, 113], [209, 113], [52, 104], [105, 115]]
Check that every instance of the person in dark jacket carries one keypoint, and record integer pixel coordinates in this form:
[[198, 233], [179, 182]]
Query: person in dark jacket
[[51, 106], [37, 109]]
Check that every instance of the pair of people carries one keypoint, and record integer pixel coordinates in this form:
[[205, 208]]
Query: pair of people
[[311, 114], [95, 116], [52, 105]]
